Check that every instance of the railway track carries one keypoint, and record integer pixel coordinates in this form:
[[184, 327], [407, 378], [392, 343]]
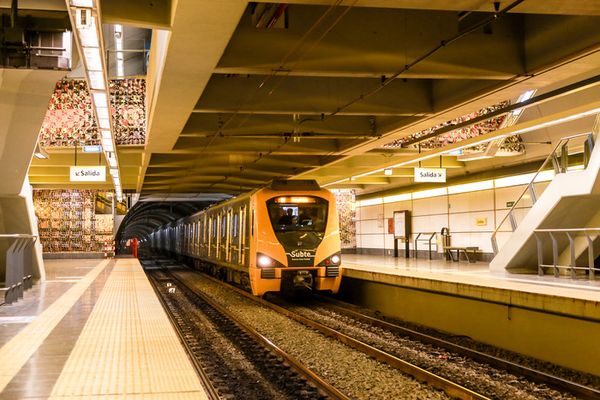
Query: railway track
[[265, 371], [579, 390], [451, 388]]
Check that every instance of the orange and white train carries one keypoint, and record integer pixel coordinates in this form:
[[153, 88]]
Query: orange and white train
[[281, 238]]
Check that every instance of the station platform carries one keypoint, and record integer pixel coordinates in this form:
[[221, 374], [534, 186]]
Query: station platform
[[577, 297], [93, 329], [553, 319]]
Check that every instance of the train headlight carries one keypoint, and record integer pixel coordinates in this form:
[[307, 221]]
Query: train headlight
[[264, 261], [331, 261]]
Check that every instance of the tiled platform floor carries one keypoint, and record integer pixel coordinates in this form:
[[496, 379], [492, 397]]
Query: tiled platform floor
[[477, 274], [94, 329]]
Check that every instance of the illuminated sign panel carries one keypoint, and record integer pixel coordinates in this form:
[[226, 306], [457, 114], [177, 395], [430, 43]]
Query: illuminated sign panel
[[430, 174], [88, 174]]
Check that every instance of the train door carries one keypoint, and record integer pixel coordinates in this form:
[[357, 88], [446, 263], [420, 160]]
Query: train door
[[203, 237], [235, 234], [217, 225], [209, 241], [223, 236], [197, 238], [228, 235], [242, 236]]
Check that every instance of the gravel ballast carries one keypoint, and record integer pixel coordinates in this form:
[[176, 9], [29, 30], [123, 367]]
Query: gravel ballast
[[352, 372]]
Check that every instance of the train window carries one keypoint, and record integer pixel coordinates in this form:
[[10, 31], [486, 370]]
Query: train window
[[298, 213], [223, 225], [214, 228], [234, 224]]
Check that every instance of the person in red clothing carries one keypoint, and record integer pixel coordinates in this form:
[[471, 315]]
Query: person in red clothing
[[134, 247]]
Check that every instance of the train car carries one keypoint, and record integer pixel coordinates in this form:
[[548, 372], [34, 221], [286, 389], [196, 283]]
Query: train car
[[284, 237]]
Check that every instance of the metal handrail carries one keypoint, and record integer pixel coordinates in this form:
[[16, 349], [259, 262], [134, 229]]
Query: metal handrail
[[590, 237], [428, 240], [562, 142]]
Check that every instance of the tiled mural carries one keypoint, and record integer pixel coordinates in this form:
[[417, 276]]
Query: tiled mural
[[69, 119]]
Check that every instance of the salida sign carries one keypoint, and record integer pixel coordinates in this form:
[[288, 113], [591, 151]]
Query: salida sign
[[88, 174], [430, 174]]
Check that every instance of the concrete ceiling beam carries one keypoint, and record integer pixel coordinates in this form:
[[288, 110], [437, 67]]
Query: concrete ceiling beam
[[385, 39], [314, 95], [140, 13], [580, 7]]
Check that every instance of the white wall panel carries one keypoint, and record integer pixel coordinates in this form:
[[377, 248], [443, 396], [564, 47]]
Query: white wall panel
[[371, 226], [472, 201], [397, 206], [466, 222], [431, 205], [372, 241], [430, 223], [507, 194], [372, 212]]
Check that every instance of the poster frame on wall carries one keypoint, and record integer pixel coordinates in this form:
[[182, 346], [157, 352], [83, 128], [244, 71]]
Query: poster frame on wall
[[402, 231]]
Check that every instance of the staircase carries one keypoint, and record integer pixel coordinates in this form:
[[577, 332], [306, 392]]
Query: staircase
[[560, 232], [24, 98]]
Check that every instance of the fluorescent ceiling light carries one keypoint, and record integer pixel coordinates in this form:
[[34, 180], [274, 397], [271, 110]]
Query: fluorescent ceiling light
[[398, 197], [371, 202], [102, 113], [112, 161], [92, 58], [96, 79], [430, 193], [92, 149], [473, 157], [104, 123], [107, 145], [82, 3], [471, 187], [89, 36], [100, 99]]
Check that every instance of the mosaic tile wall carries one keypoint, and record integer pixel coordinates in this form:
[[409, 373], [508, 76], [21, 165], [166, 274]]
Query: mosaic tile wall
[[458, 135], [67, 222], [69, 119], [345, 201]]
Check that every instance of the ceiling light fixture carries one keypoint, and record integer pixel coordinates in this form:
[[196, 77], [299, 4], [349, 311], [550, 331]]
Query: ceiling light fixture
[[85, 15], [388, 171]]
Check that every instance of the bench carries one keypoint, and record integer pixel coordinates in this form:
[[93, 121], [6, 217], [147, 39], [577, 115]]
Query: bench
[[470, 253]]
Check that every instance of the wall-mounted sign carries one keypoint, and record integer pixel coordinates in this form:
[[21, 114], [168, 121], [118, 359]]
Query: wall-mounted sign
[[430, 174], [509, 204], [481, 221], [88, 174], [401, 224], [92, 149]]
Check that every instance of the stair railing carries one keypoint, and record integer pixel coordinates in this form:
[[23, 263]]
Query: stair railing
[[590, 234], [559, 158]]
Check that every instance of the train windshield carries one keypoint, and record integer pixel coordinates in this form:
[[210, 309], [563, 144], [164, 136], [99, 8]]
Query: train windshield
[[298, 213]]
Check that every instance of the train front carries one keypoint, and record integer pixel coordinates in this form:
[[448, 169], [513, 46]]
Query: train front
[[297, 245]]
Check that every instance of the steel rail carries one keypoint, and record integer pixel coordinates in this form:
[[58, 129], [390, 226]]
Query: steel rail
[[581, 391], [211, 392], [321, 384], [452, 389]]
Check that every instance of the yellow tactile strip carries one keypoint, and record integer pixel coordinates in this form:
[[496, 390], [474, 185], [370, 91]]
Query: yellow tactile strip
[[15, 353], [128, 348]]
